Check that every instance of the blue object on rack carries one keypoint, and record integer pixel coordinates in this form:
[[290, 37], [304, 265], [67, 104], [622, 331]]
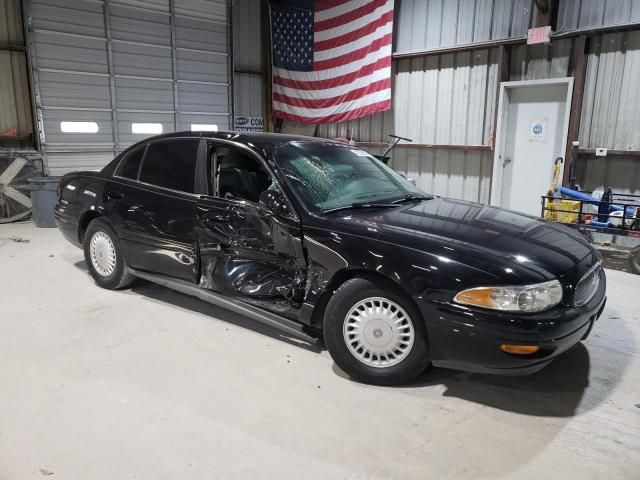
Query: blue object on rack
[[586, 198]]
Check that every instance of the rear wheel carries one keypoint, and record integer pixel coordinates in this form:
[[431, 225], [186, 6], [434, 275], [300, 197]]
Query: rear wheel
[[104, 258], [375, 334]]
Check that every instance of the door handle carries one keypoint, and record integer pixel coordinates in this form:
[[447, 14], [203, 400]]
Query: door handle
[[115, 195], [506, 162]]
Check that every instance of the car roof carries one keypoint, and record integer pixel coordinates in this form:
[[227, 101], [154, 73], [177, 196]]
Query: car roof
[[261, 139]]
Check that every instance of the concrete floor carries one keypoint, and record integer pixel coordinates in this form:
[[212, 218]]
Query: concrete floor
[[150, 384]]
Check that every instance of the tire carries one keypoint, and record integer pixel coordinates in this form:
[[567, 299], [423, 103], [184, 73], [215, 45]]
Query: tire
[[107, 274], [634, 260], [358, 320]]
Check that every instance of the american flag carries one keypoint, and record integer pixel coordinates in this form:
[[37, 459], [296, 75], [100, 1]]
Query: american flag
[[331, 59]]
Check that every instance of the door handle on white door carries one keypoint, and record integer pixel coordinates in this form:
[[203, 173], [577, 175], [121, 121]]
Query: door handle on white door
[[506, 162]]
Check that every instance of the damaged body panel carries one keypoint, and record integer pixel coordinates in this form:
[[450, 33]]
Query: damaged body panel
[[245, 252]]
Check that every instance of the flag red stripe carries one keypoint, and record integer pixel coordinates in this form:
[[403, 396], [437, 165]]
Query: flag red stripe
[[348, 17], [339, 117], [327, 4], [335, 81], [328, 102], [354, 55], [354, 35]]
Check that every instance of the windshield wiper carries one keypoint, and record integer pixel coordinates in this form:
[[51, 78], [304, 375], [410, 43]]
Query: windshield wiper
[[360, 205], [409, 197]]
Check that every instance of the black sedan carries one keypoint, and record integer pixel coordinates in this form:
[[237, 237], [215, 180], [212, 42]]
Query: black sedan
[[319, 236]]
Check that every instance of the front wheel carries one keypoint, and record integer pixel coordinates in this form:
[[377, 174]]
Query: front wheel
[[104, 258], [375, 334]]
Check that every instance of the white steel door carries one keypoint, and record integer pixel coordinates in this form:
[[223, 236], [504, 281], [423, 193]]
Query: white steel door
[[532, 133]]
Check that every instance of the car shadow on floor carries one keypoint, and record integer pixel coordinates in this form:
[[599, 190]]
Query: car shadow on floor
[[555, 391], [558, 390]]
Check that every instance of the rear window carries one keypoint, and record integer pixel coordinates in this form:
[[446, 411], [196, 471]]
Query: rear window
[[129, 166], [171, 164]]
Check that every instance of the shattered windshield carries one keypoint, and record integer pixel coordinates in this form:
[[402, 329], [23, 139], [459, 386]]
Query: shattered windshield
[[328, 176]]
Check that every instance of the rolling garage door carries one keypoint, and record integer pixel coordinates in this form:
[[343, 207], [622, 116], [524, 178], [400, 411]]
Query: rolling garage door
[[110, 73]]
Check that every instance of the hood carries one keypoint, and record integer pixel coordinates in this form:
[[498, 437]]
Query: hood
[[487, 238]]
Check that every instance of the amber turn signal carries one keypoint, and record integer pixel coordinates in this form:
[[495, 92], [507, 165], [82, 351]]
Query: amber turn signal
[[519, 349]]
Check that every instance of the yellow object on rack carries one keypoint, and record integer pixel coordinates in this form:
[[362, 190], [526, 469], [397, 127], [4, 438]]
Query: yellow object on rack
[[567, 214]]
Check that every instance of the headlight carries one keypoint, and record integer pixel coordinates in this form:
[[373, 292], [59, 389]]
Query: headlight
[[525, 298]]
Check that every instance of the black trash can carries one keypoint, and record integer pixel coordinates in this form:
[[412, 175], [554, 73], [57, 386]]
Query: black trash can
[[43, 200]]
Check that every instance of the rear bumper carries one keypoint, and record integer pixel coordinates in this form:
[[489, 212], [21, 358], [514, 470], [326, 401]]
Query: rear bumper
[[466, 339], [67, 226]]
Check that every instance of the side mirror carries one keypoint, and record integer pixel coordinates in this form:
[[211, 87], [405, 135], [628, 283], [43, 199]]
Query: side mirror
[[273, 201]]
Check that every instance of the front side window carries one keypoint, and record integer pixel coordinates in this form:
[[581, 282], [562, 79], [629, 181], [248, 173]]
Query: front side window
[[171, 164], [130, 165], [240, 175], [326, 176]]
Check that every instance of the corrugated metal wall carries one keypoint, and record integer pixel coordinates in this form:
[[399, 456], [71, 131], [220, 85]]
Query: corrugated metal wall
[[584, 14], [536, 62], [15, 100], [128, 61], [611, 113], [432, 24], [248, 59]]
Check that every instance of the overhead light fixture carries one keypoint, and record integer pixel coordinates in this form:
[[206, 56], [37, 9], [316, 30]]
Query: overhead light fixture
[[146, 128], [204, 127], [79, 127]]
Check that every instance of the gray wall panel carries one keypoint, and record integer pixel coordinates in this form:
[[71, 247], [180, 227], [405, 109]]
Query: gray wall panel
[[197, 97], [201, 35], [610, 113], [203, 67], [76, 91], [147, 5], [138, 25], [215, 10], [536, 62], [141, 60], [64, 52], [249, 99], [432, 24], [455, 174], [70, 16], [63, 162], [581, 14], [620, 172], [134, 94]]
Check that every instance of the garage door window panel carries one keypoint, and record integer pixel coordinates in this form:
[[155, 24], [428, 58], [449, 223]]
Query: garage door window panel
[[171, 164]]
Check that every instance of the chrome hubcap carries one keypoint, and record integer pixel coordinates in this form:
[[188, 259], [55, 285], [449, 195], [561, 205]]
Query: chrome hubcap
[[103, 254], [378, 332]]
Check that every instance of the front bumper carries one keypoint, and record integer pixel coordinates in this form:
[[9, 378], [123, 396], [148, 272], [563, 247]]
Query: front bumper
[[469, 339]]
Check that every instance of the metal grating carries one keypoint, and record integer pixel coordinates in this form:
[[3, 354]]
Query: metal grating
[[587, 286]]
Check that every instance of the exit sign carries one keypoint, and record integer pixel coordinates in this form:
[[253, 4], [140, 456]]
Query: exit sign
[[538, 35]]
